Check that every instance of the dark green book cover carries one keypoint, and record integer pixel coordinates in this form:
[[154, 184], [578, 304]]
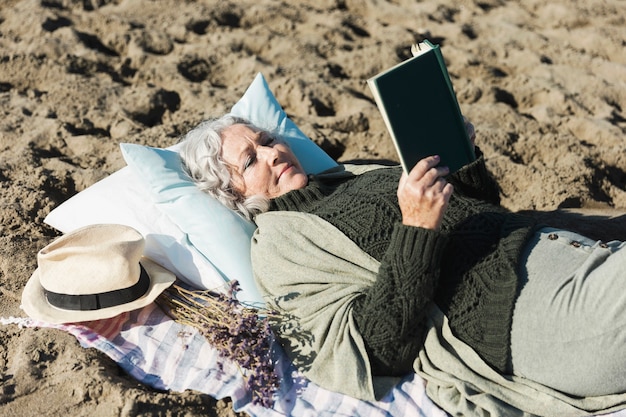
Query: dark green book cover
[[420, 109]]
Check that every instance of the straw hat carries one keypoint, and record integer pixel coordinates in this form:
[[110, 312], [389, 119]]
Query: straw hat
[[92, 273]]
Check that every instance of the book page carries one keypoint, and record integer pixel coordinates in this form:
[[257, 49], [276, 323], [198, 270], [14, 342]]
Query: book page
[[418, 49]]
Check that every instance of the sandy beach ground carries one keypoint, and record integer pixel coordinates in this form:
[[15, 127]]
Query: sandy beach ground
[[544, 82]]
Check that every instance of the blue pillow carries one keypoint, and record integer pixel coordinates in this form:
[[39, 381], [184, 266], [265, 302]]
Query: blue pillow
[[218, 233], [259, 106]]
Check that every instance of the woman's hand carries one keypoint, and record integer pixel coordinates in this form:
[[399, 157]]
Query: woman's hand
[[424, 194]]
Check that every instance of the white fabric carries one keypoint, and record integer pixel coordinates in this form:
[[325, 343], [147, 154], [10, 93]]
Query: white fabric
[[166, 355]]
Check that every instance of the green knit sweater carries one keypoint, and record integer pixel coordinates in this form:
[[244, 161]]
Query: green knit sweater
[[469, 267]]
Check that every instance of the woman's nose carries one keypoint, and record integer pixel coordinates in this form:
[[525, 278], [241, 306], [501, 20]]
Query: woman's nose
[[271, 155]]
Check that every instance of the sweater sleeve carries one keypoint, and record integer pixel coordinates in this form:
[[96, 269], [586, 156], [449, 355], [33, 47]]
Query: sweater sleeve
[[475, 181], [390, 313]]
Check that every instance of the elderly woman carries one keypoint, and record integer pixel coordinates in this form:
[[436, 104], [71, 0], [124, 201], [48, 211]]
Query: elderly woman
[[378, 274]]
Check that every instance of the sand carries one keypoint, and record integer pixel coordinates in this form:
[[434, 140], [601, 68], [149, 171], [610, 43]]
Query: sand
[[543, 82]]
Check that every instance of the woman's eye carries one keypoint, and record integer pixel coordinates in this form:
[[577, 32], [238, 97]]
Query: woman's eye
[[269, 140], [248, 162]]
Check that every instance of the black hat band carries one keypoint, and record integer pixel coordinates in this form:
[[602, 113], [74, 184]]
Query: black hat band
[[87, 302]]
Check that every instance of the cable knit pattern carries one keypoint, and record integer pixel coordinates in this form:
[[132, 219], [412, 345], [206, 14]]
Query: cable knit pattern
[[389, 316], [468, 268]]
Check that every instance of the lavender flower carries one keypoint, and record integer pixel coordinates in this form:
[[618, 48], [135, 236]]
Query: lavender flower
[[239, 333]]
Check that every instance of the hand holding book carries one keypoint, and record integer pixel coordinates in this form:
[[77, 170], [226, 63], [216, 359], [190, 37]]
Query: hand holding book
[[423, 194]]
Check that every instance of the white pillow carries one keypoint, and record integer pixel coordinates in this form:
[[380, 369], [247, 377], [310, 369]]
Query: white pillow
[[186, 230], [122, 199]]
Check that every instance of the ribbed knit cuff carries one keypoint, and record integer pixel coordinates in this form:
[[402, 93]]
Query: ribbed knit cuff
[[474, 172], [474, 180], [417, 245]]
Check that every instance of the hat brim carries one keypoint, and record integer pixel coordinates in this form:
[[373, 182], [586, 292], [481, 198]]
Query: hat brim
[[35, 304]]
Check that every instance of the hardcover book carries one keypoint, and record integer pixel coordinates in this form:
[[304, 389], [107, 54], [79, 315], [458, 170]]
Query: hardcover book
[[421, 111]]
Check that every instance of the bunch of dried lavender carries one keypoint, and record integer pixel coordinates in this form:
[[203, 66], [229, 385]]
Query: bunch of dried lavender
[[239, 333]]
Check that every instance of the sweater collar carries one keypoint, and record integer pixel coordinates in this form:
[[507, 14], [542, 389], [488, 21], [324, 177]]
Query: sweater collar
[[305, 198]]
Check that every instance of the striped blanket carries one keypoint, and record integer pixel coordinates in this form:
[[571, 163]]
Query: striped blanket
[[166, 355]]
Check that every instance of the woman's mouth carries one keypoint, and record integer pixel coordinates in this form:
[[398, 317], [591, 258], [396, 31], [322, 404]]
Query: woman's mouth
[[287, 167]]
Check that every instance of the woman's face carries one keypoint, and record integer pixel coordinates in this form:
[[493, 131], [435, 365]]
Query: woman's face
[[261, 164]]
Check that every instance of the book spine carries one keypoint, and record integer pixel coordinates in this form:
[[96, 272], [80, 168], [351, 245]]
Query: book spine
[[444, 69]]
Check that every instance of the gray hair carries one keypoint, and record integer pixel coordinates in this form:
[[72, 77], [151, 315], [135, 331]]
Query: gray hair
[[201, 153]]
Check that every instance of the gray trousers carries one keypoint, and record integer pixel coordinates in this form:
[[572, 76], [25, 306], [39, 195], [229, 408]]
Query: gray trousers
[[569, 323]]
